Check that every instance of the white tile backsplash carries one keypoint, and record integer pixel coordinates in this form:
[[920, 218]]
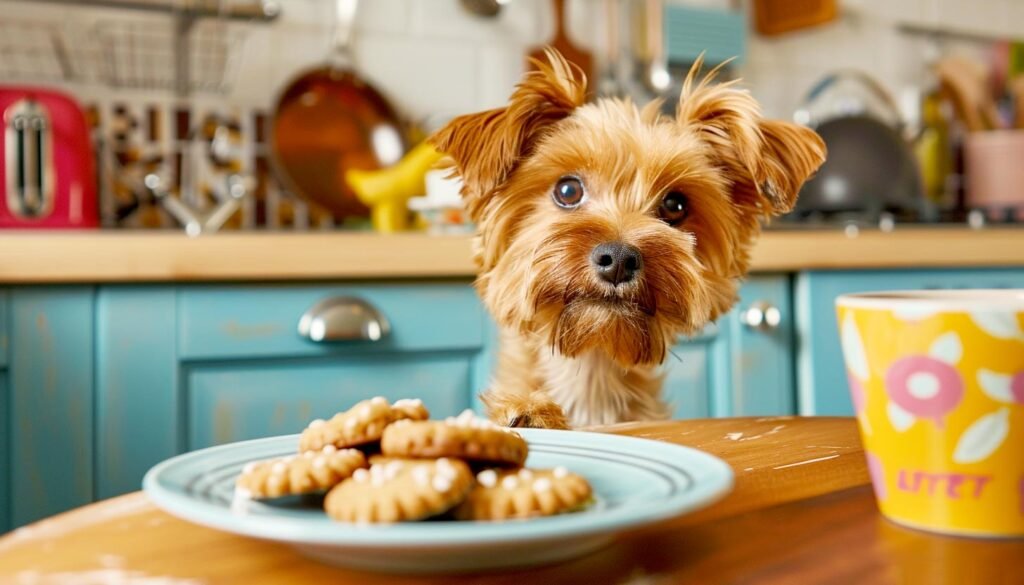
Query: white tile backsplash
[[421, 78]]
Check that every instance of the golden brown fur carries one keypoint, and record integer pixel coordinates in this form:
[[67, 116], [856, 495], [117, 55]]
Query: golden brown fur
[[576, 350]]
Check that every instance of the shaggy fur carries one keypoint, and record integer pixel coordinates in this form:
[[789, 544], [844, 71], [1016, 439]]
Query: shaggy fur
[[576, 350]]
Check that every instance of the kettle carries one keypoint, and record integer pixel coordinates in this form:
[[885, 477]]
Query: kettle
[[871, 169]]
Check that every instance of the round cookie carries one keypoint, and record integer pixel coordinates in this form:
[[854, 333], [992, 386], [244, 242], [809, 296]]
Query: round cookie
[[361, 424], [464, 437], [313, 471], [524, 493], [400, 490]]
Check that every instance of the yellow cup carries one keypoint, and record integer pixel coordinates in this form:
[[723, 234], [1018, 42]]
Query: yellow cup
[[937, 380]]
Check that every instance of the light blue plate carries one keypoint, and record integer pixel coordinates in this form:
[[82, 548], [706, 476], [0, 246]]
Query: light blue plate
[[636, 482]]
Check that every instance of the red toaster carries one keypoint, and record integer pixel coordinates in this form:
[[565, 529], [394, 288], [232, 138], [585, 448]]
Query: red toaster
[[47, 170]]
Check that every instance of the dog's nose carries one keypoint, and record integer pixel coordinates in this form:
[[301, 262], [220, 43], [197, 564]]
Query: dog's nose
[[616, 262]]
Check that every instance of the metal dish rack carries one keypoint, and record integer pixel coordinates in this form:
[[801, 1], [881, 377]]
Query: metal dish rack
[[165, 56], [33, 50], [194, 51]]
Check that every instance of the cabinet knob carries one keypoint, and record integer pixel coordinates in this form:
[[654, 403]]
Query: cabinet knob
[[761, 316], [343, 319]]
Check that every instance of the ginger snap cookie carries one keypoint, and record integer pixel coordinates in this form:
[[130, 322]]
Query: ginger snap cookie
[[502, 494], [361, 424], [466, 437], [312, 471], [400, 490]]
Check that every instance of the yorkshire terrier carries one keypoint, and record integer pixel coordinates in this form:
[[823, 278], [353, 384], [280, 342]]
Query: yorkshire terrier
[[605, 231]]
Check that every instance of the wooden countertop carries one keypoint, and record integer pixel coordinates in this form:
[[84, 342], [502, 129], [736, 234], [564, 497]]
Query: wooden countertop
[[87, 257], [801, 512]]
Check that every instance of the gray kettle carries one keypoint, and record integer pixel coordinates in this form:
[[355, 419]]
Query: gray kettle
[[871, 169]]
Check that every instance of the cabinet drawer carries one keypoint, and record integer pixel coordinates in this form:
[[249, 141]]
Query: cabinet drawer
[[237, 401], [248, 322]]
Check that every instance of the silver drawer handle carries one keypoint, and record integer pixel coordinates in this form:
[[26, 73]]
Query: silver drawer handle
[[761, 316], [343, 319]]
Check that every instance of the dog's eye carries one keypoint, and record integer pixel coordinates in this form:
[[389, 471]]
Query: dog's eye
[[674, 208], [569, 192]]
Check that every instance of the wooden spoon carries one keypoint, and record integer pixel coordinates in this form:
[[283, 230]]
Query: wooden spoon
[[561, 42], [964, 83]]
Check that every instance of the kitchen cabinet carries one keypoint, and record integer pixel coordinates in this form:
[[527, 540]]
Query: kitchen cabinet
[[738, 366], [49, 401], [821, 374], [98, 383], [5, 419]]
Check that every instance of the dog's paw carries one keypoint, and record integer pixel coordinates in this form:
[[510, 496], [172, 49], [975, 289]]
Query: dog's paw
[[534, 411]]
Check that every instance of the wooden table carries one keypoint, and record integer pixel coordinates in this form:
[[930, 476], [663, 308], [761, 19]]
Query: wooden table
[[801, 512]]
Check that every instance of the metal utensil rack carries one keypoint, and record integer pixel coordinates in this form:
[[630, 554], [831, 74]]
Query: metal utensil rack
[[193, 51]]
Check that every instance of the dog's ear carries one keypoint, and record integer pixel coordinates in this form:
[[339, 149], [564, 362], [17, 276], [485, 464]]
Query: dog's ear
[[769, 160], [487, 146]]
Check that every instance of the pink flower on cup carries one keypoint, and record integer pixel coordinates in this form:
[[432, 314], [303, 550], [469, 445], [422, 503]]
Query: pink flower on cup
[[924, 386]]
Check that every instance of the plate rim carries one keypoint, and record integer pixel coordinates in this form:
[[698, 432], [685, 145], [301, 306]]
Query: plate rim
[[716, 480]]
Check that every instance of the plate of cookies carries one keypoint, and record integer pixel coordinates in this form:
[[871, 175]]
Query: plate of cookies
[[381, 486]]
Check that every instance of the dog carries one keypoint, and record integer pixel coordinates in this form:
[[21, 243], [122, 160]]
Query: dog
[[605, 231]]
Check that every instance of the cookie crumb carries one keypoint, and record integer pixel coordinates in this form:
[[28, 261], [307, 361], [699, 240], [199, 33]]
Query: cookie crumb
[[542, 485], [487, 478], [421, 475], [392, 468], [441, 483]]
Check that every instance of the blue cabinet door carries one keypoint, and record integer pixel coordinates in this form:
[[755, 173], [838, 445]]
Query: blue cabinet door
[[733, 369], [139, 408], [760, 354], [5, 431], [181, 368], [822, 382], [50, 400], [5, 465], [692, 373]]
